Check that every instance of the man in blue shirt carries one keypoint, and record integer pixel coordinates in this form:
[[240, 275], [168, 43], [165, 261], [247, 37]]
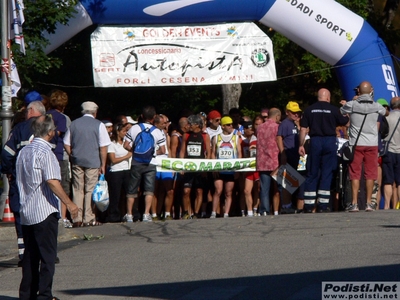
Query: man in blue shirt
[[288, 144], [321, 120]]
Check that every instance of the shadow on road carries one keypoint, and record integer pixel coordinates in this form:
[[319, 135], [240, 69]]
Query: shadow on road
[[305, 285]]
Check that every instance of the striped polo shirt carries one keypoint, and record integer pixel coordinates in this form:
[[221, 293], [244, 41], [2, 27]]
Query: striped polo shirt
[[36, 163]]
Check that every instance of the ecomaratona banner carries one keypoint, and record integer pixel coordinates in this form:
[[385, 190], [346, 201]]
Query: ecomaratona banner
[[204, 54], [205, 165]]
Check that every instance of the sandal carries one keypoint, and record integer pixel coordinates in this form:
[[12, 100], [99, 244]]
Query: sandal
[[93, 223]]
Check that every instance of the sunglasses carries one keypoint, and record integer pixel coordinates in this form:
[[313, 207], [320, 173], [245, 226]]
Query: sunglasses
[[217, 120], [265, 117], [229, 124]]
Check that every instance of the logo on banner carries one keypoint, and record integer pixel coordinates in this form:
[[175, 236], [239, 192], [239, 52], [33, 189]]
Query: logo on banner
[[129, 35], [107, 60], [324, 21], [260, 58], [232, 32]]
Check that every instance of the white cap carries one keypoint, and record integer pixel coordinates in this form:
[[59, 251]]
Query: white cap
[[130, 120], [89, 106], [107, 123]]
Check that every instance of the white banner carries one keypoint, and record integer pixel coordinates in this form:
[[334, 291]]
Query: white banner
[[181, 55], [205, 165]]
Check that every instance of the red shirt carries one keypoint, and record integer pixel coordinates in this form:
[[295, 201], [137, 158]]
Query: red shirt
[[267, 148]]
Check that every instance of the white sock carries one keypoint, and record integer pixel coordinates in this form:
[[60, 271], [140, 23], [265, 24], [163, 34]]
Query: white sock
[[250, 213], [276, 213], [167, 213], [154, 215]]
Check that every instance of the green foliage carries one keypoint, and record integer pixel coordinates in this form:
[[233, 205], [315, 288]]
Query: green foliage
[[40, 16], [363, 8], [195, 99], [250, 113]]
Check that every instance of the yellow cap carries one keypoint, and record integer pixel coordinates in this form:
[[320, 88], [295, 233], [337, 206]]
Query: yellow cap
[[226, 120], [293, 106]]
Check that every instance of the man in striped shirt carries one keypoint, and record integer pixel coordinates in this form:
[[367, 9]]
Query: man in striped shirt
[[38, 181], [20, 136]]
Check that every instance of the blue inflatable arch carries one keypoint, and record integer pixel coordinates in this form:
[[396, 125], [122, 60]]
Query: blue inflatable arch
[[323, 27]]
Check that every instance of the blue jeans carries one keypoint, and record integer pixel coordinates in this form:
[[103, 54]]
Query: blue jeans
[[265, 187]]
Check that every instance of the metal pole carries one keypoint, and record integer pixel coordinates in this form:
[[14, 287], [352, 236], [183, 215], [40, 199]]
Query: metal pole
[[6, 112]]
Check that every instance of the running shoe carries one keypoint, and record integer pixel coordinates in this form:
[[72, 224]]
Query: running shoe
[[353, 208], [186, 216], [156, 218], [147, 218], [128, 218], [370, 206], [67, 223], [288, 210]]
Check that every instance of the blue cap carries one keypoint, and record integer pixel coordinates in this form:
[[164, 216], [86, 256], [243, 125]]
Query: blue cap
[[32, 96]]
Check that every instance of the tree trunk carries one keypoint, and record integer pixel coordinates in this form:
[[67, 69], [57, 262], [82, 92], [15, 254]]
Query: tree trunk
[[230, 96], [389, 12]]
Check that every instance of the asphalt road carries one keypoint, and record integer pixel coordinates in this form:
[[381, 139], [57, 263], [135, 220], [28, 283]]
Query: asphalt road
[[273, 257]]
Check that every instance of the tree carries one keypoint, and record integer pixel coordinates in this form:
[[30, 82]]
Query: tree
[[230, 96], [40, 16]]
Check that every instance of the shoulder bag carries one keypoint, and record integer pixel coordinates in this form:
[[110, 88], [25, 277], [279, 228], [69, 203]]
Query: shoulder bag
[[348, 150], [385, 144]]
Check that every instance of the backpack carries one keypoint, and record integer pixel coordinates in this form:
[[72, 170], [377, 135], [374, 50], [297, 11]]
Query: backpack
[[384, 127], [143, 149]]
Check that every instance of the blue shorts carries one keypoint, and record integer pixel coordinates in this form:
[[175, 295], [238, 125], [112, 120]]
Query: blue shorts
[[165, 176]]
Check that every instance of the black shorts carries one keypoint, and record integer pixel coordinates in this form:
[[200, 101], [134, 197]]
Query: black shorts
[[195, 180], [224, 177]]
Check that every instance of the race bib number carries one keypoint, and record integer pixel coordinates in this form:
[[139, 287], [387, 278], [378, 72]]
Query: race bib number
[[225, 153], [194, 150], [246, 152]]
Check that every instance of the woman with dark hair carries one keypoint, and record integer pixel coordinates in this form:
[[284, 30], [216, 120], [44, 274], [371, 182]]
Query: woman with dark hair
[[118, 176]]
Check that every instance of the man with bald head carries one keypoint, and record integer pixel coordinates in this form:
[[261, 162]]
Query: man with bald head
[[391, 161], [320, 119], [366, 150]]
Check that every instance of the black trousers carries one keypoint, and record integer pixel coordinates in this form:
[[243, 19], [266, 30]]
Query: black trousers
[[38, 264], [117, 181]]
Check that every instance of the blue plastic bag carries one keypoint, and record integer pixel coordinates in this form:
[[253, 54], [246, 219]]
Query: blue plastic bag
[[100, 195]]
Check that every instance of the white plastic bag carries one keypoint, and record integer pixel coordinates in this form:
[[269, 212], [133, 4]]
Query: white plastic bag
[[100, 194]]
